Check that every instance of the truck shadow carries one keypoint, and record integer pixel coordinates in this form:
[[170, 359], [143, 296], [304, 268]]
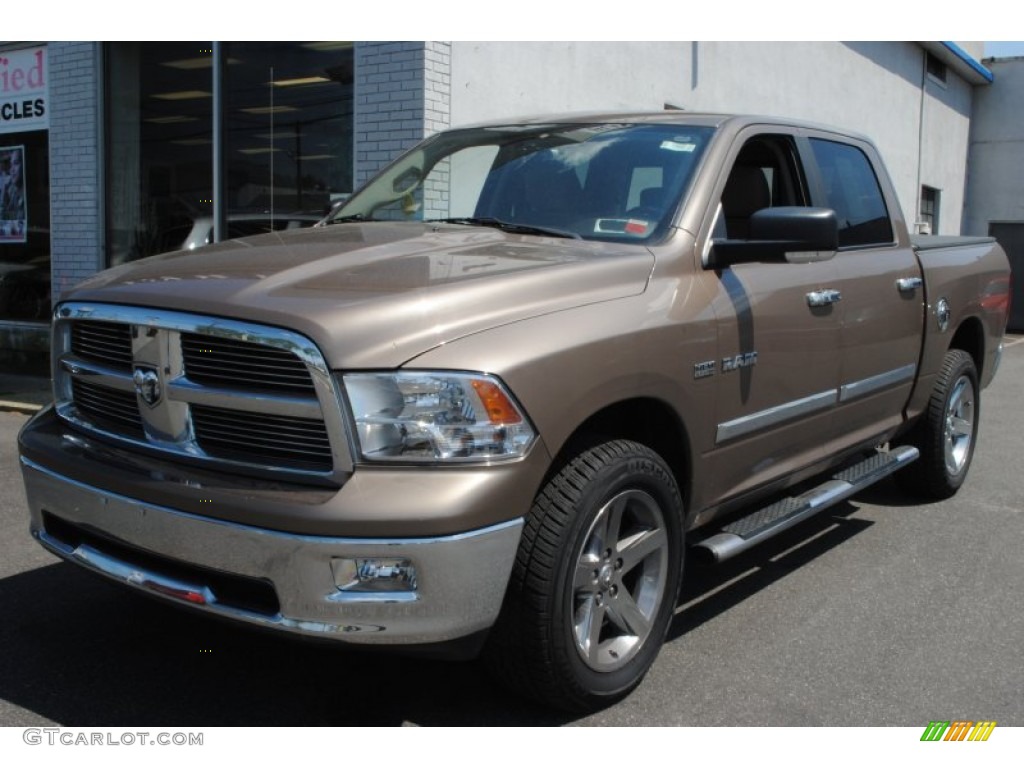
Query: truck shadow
[[82, 652], [85, 653], [710, 590]]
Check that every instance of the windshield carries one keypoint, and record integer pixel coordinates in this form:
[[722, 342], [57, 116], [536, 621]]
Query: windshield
[[599, 182]]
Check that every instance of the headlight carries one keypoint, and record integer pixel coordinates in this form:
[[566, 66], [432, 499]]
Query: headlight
[[433, 416]]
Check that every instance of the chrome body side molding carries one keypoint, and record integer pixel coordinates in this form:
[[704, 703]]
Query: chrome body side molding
[[778, 414]]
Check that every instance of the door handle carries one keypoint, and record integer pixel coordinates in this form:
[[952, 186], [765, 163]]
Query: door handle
[[823, 298], [908, 284]]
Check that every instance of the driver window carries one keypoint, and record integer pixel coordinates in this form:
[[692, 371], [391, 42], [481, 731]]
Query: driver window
[[764, 175]]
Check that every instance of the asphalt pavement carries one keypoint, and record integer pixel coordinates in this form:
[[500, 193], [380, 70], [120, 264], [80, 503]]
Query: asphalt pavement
[[881, 611]]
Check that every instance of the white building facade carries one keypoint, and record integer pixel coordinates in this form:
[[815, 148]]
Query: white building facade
[[144, 140]]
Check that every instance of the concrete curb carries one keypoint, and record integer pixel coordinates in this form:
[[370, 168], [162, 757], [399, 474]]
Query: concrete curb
[[14, 406]]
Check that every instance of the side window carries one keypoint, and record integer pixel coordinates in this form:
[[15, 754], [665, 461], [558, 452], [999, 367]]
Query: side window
[[765, 174], [853, 192]]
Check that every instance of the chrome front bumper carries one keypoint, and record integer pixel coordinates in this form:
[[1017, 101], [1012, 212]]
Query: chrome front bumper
[[460, 584]]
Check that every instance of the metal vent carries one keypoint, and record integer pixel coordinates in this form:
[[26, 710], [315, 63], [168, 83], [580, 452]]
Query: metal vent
[[276, 440], [235, 364], [108, 409], [101, 342]]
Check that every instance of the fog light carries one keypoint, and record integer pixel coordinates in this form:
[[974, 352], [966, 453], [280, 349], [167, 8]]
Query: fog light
[[374, 574]]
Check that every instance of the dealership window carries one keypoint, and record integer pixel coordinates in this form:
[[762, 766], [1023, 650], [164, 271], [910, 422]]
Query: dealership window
[[25, 226], [24, 186], [287, 114], [928, 221]]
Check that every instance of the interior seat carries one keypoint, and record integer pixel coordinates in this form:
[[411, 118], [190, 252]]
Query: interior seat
[[745, 192]]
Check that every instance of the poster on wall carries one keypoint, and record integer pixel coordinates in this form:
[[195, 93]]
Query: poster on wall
[[13, 203]]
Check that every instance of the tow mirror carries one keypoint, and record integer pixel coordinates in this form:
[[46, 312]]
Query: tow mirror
[[788, 233]]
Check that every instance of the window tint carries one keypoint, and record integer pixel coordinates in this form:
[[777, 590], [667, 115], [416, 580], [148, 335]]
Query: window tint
[[852, 191], [765, 174], [607, 182]]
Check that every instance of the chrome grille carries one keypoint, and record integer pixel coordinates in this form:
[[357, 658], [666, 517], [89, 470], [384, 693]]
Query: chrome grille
[[107, 343], [249, 398], [109, 409], [222, 362], [278, 440]]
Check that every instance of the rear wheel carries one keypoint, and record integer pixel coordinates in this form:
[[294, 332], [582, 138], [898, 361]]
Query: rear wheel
[[947, 431], [595, 581]]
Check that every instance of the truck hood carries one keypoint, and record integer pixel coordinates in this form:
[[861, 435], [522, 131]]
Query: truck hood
[[378, 294]]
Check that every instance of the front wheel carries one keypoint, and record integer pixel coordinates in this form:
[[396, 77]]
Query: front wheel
[[947, 431], [595, 582]]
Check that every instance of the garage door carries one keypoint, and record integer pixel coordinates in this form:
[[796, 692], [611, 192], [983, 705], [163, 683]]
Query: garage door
[[1011, 237]]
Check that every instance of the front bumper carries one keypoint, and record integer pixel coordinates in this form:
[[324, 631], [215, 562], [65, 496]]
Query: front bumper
[[213, 565]]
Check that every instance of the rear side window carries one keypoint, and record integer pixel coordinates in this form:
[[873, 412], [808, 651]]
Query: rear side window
[[853, 192]]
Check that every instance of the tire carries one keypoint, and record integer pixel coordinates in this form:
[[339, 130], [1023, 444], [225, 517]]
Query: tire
[[947, 432], [595, 581]]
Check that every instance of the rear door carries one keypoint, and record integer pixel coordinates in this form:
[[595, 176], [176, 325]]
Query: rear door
[[881, 309]]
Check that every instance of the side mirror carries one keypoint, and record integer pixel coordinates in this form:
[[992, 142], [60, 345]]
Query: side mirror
[[787, 233]]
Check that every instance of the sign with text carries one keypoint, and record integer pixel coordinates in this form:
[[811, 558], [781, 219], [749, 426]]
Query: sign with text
[[24, 90]]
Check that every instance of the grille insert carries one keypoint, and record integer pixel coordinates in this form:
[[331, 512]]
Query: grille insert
[[234, 364], [102, 342], [108, 409], [277, 440]]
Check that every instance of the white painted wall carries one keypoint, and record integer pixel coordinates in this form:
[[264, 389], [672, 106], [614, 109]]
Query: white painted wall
[[995, 189], [871, 88]]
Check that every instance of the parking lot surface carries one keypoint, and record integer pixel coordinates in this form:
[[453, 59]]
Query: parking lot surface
[[881, 611]]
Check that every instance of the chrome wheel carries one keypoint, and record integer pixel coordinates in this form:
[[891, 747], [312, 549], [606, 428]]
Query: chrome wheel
[[945, 434], [959, 425], [620, 578], [594, 585]]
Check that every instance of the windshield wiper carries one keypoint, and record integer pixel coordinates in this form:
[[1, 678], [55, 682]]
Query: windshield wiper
[[507, 226]]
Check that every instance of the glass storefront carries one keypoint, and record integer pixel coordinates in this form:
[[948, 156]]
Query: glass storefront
[[159, 137], [25, 226], [287, 116], [24, 187]]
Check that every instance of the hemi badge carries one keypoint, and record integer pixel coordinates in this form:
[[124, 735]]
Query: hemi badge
[[703, 370]]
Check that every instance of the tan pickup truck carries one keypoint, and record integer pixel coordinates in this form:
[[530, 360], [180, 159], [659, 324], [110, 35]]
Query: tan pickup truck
[[492, 400]]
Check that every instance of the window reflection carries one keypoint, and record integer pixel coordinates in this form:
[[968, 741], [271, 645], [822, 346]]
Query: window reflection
[[288, 140], [289, 127], [25, 226], [160, 143]]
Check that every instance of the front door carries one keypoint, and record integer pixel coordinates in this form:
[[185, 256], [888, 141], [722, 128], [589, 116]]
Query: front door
[[778, 341]]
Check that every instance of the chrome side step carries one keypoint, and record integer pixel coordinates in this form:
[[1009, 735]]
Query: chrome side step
[[764, 523]]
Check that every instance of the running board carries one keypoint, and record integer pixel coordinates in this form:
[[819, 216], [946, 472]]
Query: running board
[[762, 524]]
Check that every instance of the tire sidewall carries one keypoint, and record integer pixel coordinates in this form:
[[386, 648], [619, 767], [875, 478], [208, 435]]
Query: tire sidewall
[[964, 367], [639, 470]]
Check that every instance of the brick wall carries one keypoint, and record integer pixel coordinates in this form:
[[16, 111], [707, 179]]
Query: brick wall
[[402, 94], [76, 227]]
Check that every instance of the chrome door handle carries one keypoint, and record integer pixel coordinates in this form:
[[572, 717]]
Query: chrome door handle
[[823, 298], [908, 284]]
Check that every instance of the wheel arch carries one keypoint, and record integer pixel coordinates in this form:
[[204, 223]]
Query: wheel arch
[[970, 337], [645, 420]]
